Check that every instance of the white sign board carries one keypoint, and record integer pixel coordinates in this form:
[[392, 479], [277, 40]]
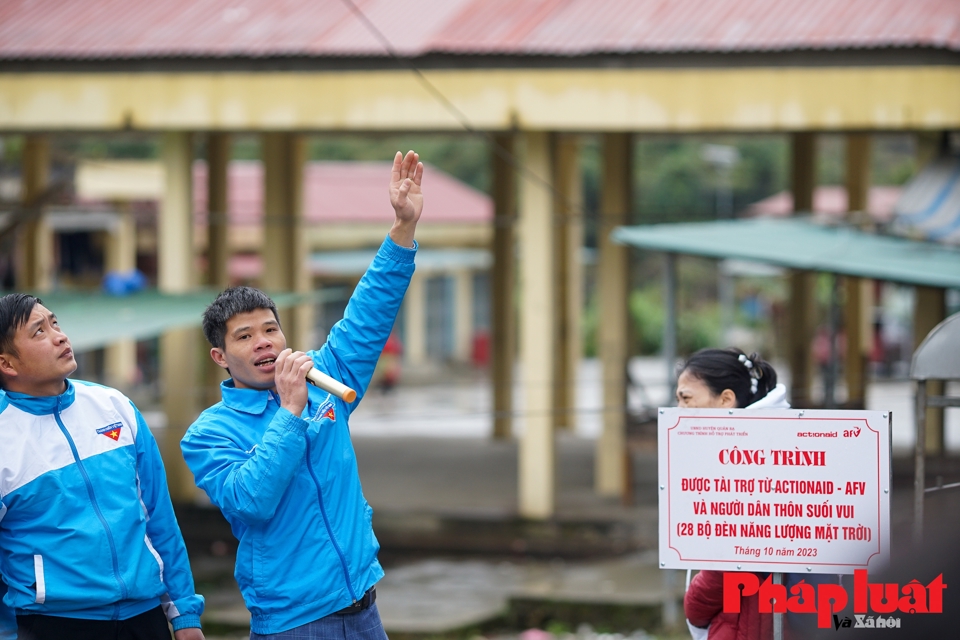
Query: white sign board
[[774, 490]]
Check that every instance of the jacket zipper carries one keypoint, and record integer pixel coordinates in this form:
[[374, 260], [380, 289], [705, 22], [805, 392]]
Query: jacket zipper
[[96, 508], [326, 521]]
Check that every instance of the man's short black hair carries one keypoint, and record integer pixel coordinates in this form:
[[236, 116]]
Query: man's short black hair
[[229, 303], [15, 310]]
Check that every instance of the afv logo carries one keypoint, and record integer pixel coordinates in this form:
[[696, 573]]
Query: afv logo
[[112, 431], [851, 433]]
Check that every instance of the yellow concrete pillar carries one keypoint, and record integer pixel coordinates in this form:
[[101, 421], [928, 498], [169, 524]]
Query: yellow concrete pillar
[[929, 309], [858, 299], [568, 204], [502, 287], [537, 327], [180, 353], [218, 256], [284, 244], [612, 269], [176, 270], [176, 266], [801, 310], [35, 247], [463, 315], [415, 321], [120, 358]]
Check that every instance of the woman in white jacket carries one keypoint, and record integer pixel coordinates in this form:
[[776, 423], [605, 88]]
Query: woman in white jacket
[[726, 379], [729, 379]]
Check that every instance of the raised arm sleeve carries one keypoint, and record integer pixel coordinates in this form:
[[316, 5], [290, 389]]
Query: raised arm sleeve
[[182, 604], [354, 344], [246, 485]]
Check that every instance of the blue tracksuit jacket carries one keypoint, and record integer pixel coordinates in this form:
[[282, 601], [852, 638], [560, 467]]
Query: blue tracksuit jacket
[[86, 525], [289, 484]]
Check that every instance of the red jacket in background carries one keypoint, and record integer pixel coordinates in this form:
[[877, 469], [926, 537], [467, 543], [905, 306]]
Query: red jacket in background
[[703, 605]]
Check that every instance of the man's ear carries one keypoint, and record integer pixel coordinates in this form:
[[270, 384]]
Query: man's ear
[[8, 365], [728, 399], [219, 357]]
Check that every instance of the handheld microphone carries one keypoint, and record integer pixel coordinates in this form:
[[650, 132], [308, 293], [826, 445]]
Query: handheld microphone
[[325, 382]]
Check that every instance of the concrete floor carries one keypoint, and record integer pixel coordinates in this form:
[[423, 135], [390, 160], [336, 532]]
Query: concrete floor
[[426, 460]]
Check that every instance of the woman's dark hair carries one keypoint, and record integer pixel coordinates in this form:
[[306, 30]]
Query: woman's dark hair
[[721, 369]]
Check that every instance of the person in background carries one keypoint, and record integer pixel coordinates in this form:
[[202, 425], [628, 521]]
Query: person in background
[[726, 379], [89, 544]]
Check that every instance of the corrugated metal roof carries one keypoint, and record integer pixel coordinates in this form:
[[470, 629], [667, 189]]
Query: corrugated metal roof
[[346, 192], [334, 192], [797, 243], [829, 202], [92, 29], [930, 205]]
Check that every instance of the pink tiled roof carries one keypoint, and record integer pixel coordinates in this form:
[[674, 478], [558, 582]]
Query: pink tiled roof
[[94, 29], [336, 192], [830, 201]]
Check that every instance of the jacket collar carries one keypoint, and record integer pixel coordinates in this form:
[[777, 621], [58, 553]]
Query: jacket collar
[[252, 401], [43, 405], [775, 399]]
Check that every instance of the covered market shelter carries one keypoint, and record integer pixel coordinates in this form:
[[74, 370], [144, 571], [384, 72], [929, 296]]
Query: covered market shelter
[[531, 76]]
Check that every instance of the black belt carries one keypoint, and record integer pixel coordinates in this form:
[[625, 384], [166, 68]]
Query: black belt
[[360, 605]]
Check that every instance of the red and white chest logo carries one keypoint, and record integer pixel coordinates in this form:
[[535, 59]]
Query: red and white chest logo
[[326, 410], [112, 431]]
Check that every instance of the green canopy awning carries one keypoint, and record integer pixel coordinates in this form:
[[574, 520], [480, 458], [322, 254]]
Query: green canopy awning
[[799, 243], [95, 320]]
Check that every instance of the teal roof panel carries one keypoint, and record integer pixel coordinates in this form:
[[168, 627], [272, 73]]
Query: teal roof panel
[[95, 320], [799, 243]]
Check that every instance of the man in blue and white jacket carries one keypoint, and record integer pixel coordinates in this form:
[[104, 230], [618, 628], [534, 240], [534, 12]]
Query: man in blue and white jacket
[[89, 544], [276, 457]]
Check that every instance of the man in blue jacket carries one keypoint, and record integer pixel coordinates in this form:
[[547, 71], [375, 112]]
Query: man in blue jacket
[[89, 544], [275, 454]]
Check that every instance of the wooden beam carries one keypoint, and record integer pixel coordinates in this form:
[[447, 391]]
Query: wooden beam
[[218, 254], [568, 205], [36, 262], [930, 308], [858, 299], [613, 285], [801, 309], [502, 289]]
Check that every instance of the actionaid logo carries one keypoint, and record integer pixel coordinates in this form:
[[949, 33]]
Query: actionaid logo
[[827, 599]]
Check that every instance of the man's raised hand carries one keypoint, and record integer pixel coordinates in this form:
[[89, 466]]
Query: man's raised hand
[[406, 196]]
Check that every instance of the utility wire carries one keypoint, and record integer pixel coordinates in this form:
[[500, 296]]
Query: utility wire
[[462, 119]]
